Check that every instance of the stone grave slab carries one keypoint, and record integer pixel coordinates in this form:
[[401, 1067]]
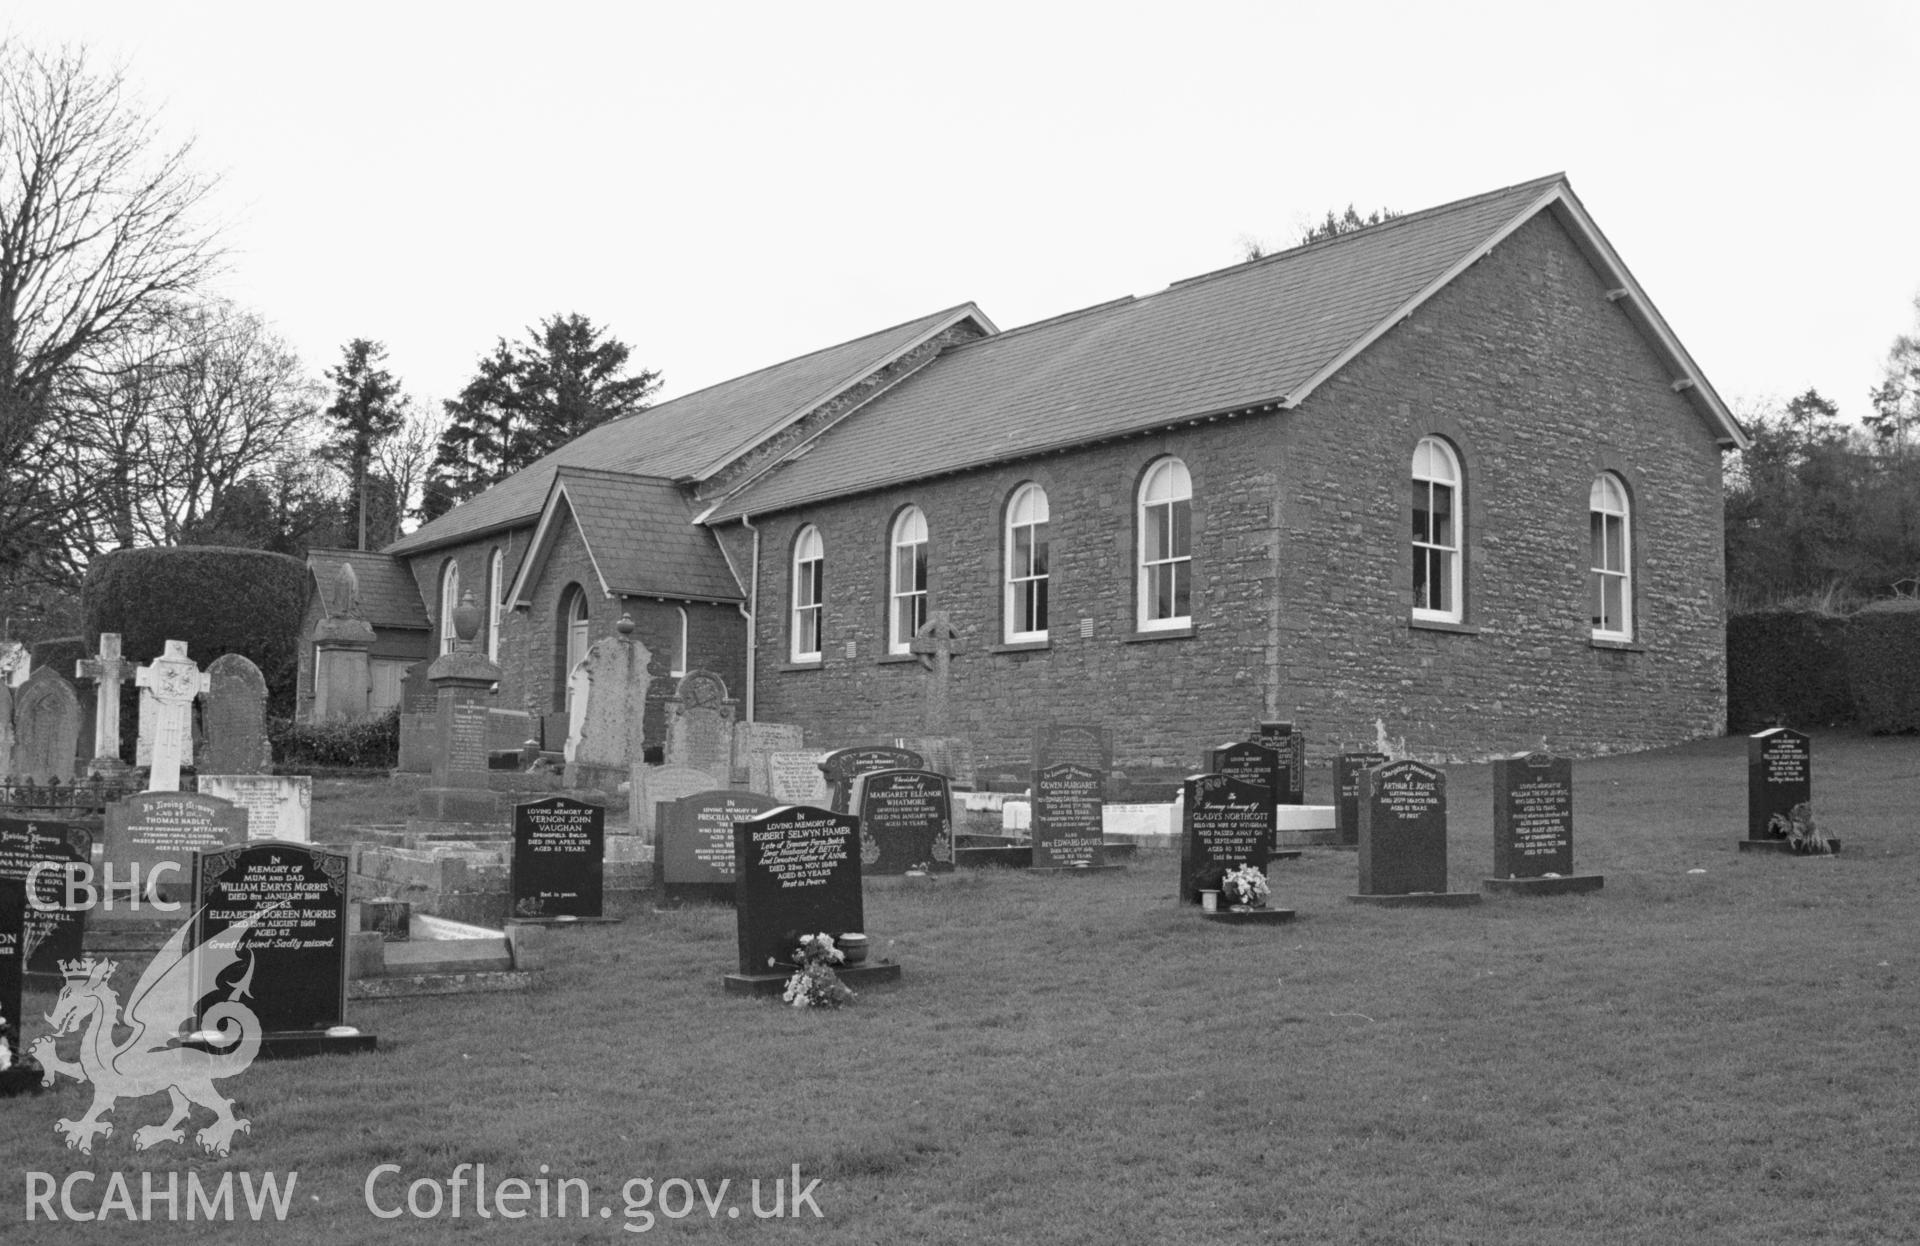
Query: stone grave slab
[[558, 860], [796, 872], [160, 833], [693, 849], [1779, 791], [1251, 761], [1349, 777], [1286, 739], [796, 779], [1533, 828], [754, 742], [287, 904], [1403, 837], [1225, 823], [700, 724], [51, 932], [906, 822], [46, 727], [842, 766], [1069, 817], [236, 718], [657, 785], [278, 806]]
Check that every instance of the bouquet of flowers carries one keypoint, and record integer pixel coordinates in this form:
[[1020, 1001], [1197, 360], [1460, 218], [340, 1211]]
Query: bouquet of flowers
[[814, 984], [1244, 886]]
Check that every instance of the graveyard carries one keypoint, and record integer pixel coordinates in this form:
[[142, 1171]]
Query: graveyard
[[1714, 1047]]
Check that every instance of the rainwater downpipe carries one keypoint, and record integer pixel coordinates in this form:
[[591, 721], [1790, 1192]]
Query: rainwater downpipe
[[749, 610]]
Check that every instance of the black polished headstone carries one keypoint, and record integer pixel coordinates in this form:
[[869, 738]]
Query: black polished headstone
[[843, 766], [796, 872], [693, 843], [1285, 739], [161, 832], [906, 821], [559, 858], [1077, 744], [1532, 816], [53, 932], [1068, 816], [1779, 778], [1224, 823], [1251, 761], [1348, 777], [13, 959], [1403, 830], [299, 961]]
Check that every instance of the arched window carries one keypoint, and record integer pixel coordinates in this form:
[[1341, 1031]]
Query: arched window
[[809, 582], [1166, 547], [495, 565], [449, 598], [1438, 504], [572, 639], [1610, 537], [1026, 604], [680, 646], [907, 586]]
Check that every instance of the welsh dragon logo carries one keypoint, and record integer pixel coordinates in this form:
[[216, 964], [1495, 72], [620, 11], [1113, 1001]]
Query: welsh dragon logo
[[151, 1058]]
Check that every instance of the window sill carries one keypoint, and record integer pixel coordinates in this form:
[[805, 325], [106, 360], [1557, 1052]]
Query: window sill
[[1164, 633], [894, 659], [1618, 646], [1022, 646], [1436, 625], [810, 664]]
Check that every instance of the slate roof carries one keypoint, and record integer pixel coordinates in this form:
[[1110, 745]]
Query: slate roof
[[690, 436], [1258, 333], [640, 533], [388, 595]]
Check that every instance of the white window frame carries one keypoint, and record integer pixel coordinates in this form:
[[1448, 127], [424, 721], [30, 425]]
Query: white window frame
[[496, 564], [1166, 485], [680, 646], [1028, 515], [1437, 468], [449, 600], [808, 616], [906, 603], [1609, 506]]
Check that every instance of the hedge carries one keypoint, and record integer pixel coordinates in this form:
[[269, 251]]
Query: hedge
[[1787, 666], [1882, 645], [62, 653], [218, 600], [370, 744]]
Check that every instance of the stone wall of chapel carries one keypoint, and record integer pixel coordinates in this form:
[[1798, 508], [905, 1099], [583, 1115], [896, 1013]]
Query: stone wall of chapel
[[1301, 559]]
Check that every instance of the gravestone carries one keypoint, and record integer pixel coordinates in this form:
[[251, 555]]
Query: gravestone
[[14, 657], [1533, 827], [1068, 817], [342, 641], [277, 806], [162, 832], [16, 664], [1291, 744], [1075, 743], [1349, 776], [107, 671], [13, 958], [559, 858], [299, 951], [463, 678], [693, 846], [611, 711], [1403, 837], [796, 872], [658, 785], [906, 822], [46, 727], [236, 718], [1779, 790], [700, 724], [842, 766], [1250, 761], [170, 685], [754, 743], [51, 932], [796, 779], [1224, 823]]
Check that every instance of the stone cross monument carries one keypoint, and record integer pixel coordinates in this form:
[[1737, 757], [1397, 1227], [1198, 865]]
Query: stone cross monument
[[172, 684], [106, 670]]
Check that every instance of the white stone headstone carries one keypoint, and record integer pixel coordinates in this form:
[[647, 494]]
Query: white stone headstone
[[171, 685], [278, 806]]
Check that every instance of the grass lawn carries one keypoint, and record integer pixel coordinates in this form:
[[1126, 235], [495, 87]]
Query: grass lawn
[[1727, 1056]]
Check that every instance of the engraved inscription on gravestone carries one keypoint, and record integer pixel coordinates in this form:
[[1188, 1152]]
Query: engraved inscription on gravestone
[[559, 858], [1067, 816], [51, 932], [1226, 823], [161, 831], [842, 766], [693, 852], [1532, 816], [797, 872], [906, 821], [795, 779], [467, 738], [299, 969], [13, 913], [1403, 830], [1349, 777], [1779, 782], [277, 806]]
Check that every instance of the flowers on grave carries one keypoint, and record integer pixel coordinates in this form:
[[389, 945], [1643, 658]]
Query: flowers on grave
[[1800, 832], [1244, 886], [6, 1048], [814, 984]]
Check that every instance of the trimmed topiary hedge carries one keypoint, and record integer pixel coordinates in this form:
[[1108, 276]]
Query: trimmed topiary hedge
[[1787, 666], [370, 744], [61, 653], [1882, 645], [218, 600]]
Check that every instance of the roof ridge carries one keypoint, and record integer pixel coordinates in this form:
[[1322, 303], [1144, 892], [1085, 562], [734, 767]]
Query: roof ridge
[[1404, 219], [610, 473], [1049, 322]]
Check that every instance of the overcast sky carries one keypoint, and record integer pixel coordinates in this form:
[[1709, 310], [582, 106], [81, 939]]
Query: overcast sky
[[728, 185]]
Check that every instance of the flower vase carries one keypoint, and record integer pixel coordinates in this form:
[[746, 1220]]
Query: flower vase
[[1209, 901]]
